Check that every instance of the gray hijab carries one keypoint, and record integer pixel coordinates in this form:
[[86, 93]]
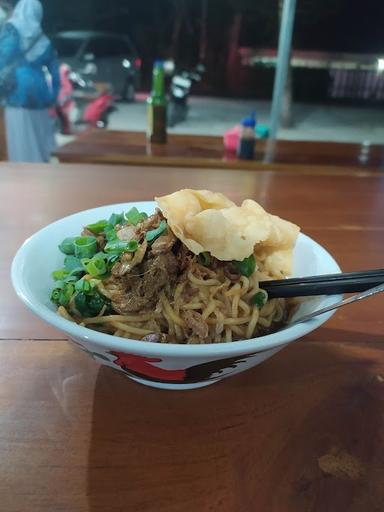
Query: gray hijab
[[26, 18]]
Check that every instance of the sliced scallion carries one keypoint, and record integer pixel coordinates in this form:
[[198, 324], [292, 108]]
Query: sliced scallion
[[259, 299], [247, 266], [98, 227], [96, 266], [116, 218], [120, 246], [133, 216], [85, 246], [151, 235], [67, 246]]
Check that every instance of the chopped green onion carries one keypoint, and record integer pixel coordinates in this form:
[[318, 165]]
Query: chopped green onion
[[55, 295], [67, 245], [86, 285], [98, 227], [83, 285], [205, 258], [132, 245], [120, 246], [116, 218], [71, 278], [246, 267], [96, 266], [134, 216], [60, 274], [62, 294], [110, 233], [151, 235], [259, 299], [73, 265], [112, 257], [85, 246], [89, 304]]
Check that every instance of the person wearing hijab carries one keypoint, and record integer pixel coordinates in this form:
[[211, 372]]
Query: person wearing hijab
[[29, 127]]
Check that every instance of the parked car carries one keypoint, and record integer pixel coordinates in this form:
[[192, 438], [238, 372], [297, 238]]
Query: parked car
[[101, 57]]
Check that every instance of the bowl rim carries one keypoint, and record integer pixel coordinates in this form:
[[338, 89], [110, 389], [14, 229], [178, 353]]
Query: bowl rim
[[115, 343]]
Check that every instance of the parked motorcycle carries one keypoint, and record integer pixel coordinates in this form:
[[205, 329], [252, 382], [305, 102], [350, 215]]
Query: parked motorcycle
[[81, 103], [180, 90]]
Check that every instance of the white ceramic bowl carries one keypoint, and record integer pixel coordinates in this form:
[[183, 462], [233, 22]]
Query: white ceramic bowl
[[169, 366]]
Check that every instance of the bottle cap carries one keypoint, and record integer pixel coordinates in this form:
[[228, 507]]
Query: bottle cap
[[158, 63], [249, 121]]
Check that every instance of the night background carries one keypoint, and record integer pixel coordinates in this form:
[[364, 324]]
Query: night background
[[188, 29]]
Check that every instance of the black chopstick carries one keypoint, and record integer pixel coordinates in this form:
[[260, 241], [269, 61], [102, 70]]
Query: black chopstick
[[329, 284]]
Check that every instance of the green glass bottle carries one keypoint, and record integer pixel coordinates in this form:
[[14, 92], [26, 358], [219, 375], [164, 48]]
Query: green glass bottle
[[157, 106]]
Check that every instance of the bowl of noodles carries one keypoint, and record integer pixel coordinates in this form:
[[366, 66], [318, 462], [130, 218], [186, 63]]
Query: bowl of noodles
[[168, 291]]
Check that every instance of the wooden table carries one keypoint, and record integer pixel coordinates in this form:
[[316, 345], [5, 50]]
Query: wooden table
[[304, 431], [132, 148]]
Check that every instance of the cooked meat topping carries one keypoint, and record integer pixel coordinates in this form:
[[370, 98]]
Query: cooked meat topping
[[205, 272], [87, 232], [231, 272], [151, 222], [154, 337], [184, 257], [164, 243], [128, 262], [127, 233], [141, 289], [196, 323]]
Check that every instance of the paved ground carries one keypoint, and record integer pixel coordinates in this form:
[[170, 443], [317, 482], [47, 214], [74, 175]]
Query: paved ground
[[212, 116]]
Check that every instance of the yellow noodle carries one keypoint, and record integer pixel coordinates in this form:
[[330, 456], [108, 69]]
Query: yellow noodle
[[177, 296], [64, 313], [235, 305], [202, 282], [118, 318], [209, 309], [168, 308], [204, 294], [219, 328], [244, 307], [233, 291], [268, 308], [238, 331], [193, 305], [130, 328], [252, 323], [178, 332], [225, 307], [265, 322], [245, 284], [231, 321]]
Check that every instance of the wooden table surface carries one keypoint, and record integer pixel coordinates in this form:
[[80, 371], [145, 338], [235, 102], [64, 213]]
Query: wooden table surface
[[304, 431], [125, 147]]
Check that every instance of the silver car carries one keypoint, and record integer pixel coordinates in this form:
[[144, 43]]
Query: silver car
[[101, 57]]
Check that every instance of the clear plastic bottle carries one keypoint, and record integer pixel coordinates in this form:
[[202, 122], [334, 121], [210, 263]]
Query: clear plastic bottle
[[247, 140]]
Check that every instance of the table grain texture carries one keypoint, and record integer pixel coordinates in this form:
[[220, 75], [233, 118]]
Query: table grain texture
[[302, 432]]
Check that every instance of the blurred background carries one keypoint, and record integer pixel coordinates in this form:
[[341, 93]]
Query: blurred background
[[335, 85]]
